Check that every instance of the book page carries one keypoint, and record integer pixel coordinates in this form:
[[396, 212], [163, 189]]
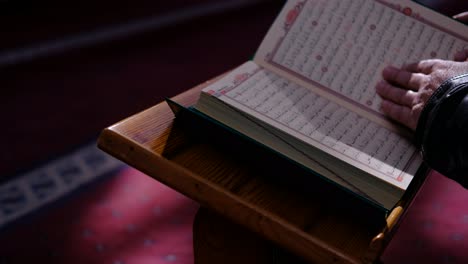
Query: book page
[[339, 48], [319, 122]]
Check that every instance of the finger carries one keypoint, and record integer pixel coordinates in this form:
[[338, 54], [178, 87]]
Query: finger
[[424, 66], [399, 113], [395, 94], [462, 17], [461, 55], [403, 78]]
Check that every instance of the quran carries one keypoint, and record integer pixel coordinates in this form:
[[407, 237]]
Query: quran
[[309, 92]]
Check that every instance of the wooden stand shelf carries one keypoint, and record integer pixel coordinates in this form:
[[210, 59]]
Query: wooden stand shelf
[[268, 215]]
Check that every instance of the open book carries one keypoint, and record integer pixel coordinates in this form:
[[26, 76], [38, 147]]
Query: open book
[[309, 93]]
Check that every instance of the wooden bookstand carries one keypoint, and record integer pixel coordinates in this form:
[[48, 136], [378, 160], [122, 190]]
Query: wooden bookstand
[[244, 214]]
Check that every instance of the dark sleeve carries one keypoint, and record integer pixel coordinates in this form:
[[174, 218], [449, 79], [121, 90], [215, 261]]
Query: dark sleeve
[[442, 130]]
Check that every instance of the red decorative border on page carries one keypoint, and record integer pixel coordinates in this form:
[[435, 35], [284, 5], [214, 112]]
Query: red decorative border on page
[[237, 80], [293, 14], [240, 78], [405, 10]]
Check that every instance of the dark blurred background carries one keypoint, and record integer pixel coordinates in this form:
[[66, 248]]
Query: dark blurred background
[[68, 69]]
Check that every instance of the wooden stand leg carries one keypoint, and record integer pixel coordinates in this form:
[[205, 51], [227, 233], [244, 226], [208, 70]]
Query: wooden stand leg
[[219, 240]]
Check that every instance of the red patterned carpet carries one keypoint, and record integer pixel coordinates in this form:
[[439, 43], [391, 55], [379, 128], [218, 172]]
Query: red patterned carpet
[[119, 216], [129, 219]]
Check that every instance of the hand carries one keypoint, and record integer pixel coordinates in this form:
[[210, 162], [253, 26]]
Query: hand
[[405, 91]]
